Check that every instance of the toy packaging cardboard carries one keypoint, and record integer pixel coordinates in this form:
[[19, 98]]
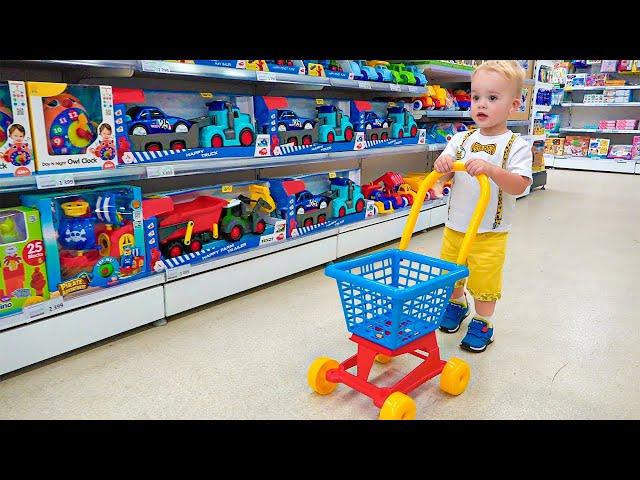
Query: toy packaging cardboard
[[599, 147], [635, 148], [72, 126], [295, 67], [23, 279], [195, 225], [386, 124], [165, 126], [299, 125], [16, 150], [622, 152], [311, 203], [554, 146], [339, 69], [93, 237], [576, 146]]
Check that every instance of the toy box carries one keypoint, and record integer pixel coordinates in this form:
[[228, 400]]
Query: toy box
[[299, 125], [599, 147], [93, 238], [627, 124], [635, 148], [622, 152], [16, 151], [386, 124], [554, 146], [576, 146], [295, 67], [596, 79], [329, 68], [551, 122], [608, 66], [537, 150], [72, 126], [311, 203], [195, 225], [607, 124], [576, 80], [443, 132], [23, 279], [164, 126]]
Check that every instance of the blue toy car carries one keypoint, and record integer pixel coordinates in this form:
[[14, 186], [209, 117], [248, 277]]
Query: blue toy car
[[372, 120], [385, 73], [421, 79], [142, 120], [306, 201], [289, 120], [368, 73]]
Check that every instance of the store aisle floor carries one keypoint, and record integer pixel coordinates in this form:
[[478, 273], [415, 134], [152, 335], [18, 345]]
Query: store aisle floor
[[567, 336]]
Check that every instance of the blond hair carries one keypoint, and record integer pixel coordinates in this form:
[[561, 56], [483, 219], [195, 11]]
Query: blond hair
[[509, 69]]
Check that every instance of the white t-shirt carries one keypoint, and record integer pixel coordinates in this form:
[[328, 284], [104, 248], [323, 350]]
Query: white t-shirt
[[466, 189]]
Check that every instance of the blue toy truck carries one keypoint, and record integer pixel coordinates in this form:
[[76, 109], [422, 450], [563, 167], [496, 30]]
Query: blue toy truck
[[333, 125], [403, 124], [227, 126], [347, 197]]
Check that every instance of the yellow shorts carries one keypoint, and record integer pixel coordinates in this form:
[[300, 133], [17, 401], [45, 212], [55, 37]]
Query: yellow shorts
[[485, 261]]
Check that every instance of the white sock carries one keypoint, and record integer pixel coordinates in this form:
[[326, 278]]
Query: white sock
[[462, 300], [485, 318]]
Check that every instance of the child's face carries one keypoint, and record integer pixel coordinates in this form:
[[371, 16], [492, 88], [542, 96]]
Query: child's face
[[17, 137], [492, 99], [106, 135]]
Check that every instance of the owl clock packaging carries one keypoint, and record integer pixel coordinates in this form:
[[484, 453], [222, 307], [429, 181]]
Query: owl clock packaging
[[93, 238], [73, 126], [16, 151], [23, 275]]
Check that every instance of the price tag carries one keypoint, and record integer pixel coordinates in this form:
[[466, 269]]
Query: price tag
[[157, 171], [227, 188], [178, 272], [332, 174], [206, 94], [39, 309], [266, 76], [55, 181], [319, 101], [155, 66], [394, 87], [365, 85]]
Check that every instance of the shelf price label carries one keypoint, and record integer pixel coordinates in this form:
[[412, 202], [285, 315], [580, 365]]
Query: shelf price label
[[332, 174], [364, 85], [178, 272], [55, 181], [39, 309], [266, 76], [227, 188], [155, 66], [394, 87], [158, 171], [319, 101]]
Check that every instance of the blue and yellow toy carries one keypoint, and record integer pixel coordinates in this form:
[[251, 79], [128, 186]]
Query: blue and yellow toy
[[334, 125], [403, 124]]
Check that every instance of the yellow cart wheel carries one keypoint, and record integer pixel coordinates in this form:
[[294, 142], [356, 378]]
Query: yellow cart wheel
[[398, 406], [317, 375], [380, 358], [455, 376]]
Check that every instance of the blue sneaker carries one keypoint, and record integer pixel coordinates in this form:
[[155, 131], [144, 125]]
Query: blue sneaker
[[478, 336], [453, 317]]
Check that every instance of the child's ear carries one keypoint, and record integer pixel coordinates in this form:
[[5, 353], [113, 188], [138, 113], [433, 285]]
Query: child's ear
[[515, 105]]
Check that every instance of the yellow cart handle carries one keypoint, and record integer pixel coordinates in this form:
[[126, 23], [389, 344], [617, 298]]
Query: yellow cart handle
[[476, 218]]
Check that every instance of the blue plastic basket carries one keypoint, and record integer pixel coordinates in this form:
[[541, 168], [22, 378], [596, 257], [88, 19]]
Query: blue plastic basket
[[396, 296]]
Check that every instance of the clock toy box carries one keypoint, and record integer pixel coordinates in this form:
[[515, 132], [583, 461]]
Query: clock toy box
[[72, 126], [16, 151]]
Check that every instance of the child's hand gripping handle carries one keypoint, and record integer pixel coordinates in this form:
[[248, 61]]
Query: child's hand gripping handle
[[476, 218]]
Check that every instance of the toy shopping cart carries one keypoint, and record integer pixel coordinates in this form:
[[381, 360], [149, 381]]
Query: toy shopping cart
[[393, 302]]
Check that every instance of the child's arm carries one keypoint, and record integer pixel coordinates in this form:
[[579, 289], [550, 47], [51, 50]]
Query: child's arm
[[511, 183]]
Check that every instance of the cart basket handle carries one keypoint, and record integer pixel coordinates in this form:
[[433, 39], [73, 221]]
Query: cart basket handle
[[476, 218]]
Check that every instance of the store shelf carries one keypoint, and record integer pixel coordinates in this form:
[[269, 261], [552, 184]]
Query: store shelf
[[580, 104], [224, 73], [517, 123], [542, 108], [443, 73], [199, 166], [637, 169], [549, 160], [40, 340], [596, 130], [596, 164], [606, 87], [437, 147], [442, 114], [546, 85], [534, 138]]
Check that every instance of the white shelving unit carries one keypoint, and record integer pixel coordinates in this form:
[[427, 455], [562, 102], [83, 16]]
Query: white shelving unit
[[595, 164], [595, 130], [608, 105]]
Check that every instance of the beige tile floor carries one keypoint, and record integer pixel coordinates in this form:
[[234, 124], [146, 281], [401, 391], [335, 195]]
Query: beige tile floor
[[567, 336]]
